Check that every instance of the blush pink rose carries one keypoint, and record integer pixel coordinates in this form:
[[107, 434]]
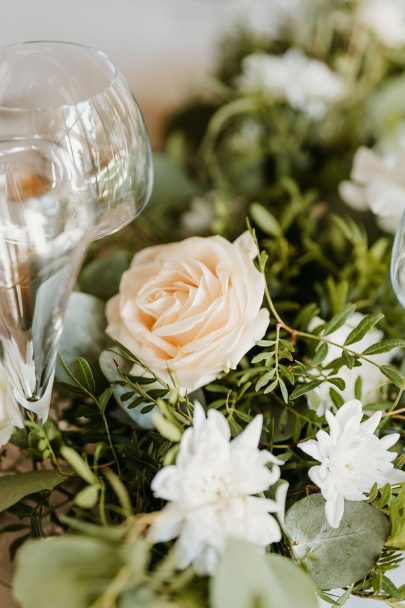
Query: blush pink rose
[[193, 307]]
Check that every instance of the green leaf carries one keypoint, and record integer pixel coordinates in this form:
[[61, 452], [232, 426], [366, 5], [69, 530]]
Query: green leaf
[[166, 428], [348, 359], [393, 375], [83, 334], [363, 328], [85, 375], [265, 220], [64, 572], [101, 278], [14, 488], [320, 354], [247, 578], [271, 387], [283, 390], [384, 347], [397, 516], [390, 589], [172, 188], [338, 319], [336, 557], [302, 389], [104, 399], [79, 465], [87, 498], [265, 379], [338, 382]]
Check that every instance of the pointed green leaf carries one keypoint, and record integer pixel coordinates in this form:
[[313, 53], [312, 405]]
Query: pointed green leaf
[[363, 328], [14, 488], [338, 319], [384, 347], [85, 375]]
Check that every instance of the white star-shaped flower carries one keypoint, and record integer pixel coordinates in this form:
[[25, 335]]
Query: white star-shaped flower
[[352, 459], [211, 492]]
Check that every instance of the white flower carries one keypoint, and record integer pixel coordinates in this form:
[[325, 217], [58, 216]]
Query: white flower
[[305, 83], [199, 217], [378, 184], [371, 377], [211, 491], [10, 415], [386, 19], [266, 19], [192, 307], [352, 459]]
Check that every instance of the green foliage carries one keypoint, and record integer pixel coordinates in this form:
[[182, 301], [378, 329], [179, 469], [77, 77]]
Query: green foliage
[[397, 514], [115, 423], [83, 333], [247, 577], [13, 488], [336, 557]]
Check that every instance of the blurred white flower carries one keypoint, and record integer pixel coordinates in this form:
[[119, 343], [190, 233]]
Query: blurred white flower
[[211, 488], [199, 217], [370, 376], [378, 184], [305, 83], [352, 459], [265, 18], [10, 415], [386, 19]]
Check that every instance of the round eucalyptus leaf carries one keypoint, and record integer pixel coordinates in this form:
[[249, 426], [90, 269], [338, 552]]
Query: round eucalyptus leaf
[[83, 334], [101, 278], [64, 571], [336, 557]]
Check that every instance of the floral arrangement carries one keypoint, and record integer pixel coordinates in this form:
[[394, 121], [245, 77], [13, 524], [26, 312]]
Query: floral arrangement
[[229, 405]]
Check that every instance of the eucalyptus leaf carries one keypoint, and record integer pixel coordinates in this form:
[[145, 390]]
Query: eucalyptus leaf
[[171, 186], [246, 577], [14, 488], [64, 572], [83, 334], [336, 557], [101, 277]]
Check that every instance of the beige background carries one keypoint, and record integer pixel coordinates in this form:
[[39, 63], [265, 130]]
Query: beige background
[[163, 47]]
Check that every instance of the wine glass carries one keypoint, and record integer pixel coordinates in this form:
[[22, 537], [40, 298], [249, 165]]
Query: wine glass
[[74, 96], [47, 220], [398, 262]]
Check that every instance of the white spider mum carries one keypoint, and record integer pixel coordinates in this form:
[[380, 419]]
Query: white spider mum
[[352, 459], [305, 83], [211, 492]]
